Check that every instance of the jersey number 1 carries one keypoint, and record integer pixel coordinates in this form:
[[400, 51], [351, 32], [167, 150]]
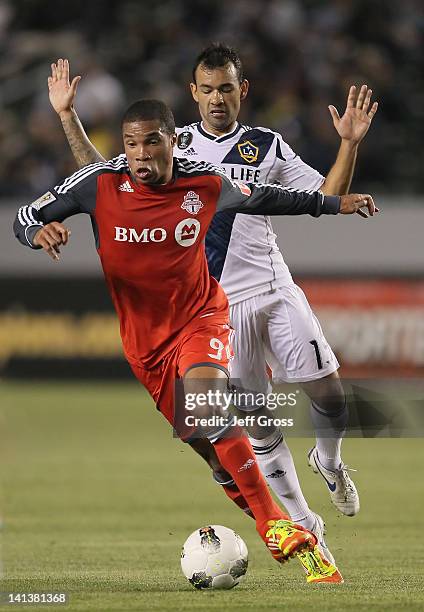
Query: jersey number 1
[[317, 353]]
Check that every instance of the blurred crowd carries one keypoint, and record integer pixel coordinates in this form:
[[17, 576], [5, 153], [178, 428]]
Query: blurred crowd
[[299, 55]]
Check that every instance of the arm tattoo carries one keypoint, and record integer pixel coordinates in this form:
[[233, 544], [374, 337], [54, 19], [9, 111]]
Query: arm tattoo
[[82, 149]]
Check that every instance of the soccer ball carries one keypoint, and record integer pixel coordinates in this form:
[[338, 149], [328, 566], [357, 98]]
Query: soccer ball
[[214, 557]]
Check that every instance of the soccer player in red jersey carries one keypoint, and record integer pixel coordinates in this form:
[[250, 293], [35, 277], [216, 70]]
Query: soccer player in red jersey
[[150, 214]]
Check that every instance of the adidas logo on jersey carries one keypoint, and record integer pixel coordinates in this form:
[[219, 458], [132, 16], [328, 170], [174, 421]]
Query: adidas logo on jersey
[[126, 187], [190, 151]]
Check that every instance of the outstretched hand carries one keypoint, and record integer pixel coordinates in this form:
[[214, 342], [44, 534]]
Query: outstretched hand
[[61, 92], [354, 202], [355, 122], [50, 237]]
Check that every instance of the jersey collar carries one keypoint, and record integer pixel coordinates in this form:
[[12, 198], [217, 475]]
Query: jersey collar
[[155, 188], [216, 138]]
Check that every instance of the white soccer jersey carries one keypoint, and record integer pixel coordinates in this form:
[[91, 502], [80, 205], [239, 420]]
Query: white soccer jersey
[[241, 249]]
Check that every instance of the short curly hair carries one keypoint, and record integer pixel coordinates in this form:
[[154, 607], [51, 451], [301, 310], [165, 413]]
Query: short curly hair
[[147, 109]]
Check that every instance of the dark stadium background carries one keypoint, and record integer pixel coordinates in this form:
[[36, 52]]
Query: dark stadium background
[[299, 55]]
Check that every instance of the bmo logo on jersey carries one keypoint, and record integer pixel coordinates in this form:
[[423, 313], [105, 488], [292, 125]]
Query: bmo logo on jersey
[[187, 231], [130, 234]]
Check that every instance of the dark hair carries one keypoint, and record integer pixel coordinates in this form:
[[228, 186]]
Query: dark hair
[[144, 110], [218, 55]]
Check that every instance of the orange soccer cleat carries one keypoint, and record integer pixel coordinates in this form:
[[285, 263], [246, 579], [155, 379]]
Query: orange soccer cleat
[[318, 569], [286, 539]]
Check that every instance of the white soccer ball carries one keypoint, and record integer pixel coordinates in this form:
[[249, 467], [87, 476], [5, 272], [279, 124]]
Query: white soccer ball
[[214, 557]]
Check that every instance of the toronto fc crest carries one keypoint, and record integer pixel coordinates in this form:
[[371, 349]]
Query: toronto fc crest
[[192, 203]]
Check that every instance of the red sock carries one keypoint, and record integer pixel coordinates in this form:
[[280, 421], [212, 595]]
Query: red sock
[[237, 457]]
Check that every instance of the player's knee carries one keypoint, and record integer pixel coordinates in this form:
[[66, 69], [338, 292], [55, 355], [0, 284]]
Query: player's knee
[[262, 426], [208, 422], [332, 400], [337, 399], [206, 450], [207, 403], [326, 392]]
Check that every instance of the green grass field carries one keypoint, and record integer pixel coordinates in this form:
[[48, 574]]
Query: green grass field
[[97, 499]]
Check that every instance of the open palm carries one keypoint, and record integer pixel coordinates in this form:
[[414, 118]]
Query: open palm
[[356, 120], [61, 92]]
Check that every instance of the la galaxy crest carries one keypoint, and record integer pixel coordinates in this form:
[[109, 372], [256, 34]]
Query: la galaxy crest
[[184, 140], [248, 151]]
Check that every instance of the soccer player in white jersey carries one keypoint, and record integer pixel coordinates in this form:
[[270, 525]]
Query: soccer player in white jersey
[[273, 321]]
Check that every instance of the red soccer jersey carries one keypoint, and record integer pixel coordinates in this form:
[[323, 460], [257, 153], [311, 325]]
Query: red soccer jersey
[[150, 240], [158, 282]]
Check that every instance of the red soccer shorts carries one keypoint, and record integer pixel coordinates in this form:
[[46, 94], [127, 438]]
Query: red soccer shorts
[[206, 342]]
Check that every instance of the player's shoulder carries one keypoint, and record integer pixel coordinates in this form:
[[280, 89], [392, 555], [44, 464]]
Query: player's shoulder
[[259, 128], [118, 164], [191, 127], [282, 149], [267, 132], [185, 135], [262, 137], [187, 167]]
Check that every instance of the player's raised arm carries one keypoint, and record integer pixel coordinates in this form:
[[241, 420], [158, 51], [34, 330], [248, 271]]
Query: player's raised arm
[[352, 127], [276, 200], [62, 95]]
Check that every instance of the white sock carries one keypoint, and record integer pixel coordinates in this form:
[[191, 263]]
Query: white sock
[[330, 429], [276, 463], [329, 452]]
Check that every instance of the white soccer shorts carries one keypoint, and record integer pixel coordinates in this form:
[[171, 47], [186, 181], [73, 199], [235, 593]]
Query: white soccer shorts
[[278, 329]]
